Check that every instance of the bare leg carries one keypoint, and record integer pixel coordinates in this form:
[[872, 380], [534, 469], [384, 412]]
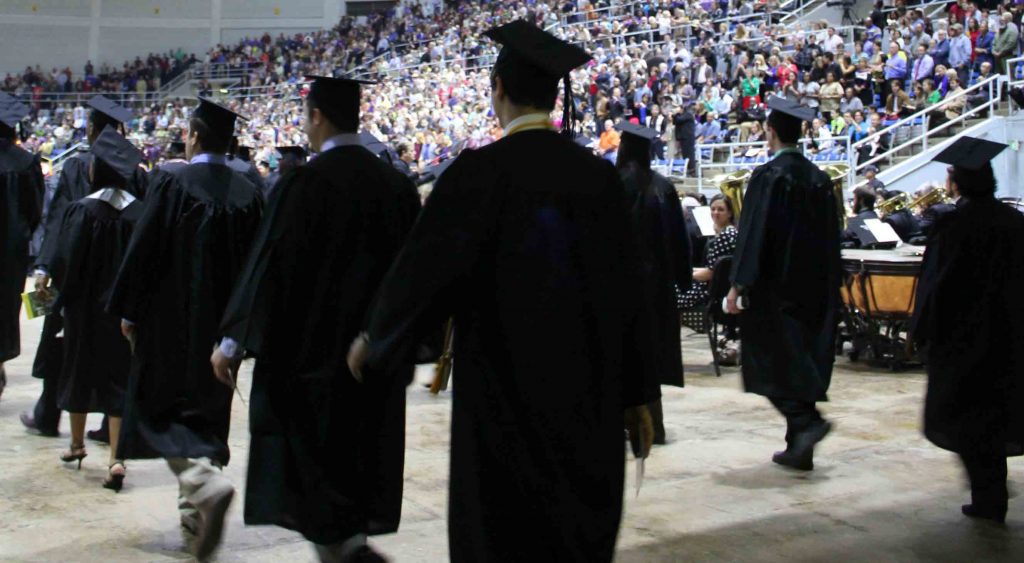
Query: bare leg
[[77, 427], [115, 434], [115, 468]]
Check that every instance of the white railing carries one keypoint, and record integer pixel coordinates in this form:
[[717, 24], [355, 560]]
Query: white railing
[[1011, 72], [839, 151], [58, 161], [921, 118]]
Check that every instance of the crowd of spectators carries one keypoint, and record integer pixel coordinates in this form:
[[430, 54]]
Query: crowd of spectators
[[697, 70]]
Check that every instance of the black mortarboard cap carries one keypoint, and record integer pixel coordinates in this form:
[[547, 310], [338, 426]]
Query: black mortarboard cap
[[433, 173], [970, 153], [218, 118], [12, 110], [340, 95], [293, 151], [791, 108], [639, 131], [117, 152], [110, 108], [244, 153], [177, 147], [523, 42]]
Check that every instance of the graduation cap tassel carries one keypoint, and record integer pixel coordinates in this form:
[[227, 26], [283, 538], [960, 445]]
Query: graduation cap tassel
[[568, 110]]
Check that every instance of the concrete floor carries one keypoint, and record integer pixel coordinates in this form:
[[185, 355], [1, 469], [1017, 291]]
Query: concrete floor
[[880, 492]]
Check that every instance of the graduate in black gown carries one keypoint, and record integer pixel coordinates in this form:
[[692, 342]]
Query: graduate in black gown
[[172, 289], [291, 157], [528, 245], [863, 209], [787, 269], [72, 186], [21, 200], [93, 237], [969, 323], [664, 250], [326, 453]]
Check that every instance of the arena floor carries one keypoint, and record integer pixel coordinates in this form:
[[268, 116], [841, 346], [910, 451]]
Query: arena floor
[[880, 492]]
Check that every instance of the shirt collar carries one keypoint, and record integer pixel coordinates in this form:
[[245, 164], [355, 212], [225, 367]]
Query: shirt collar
[[209, 158], [340, 140], [528, 122], [116, 198]]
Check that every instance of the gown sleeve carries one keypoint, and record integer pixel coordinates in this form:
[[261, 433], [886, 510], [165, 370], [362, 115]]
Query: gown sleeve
[[420, 289], [67, 267], [55, 213], [746, 266], [678, 239]]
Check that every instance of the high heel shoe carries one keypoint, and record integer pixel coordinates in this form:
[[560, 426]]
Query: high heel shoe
[[115, 481], [76, 452]]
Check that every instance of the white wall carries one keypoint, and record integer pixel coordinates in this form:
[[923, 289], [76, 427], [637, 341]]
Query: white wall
[[60, 33]]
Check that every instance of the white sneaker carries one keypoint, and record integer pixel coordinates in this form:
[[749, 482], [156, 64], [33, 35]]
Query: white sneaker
[[212, 500]]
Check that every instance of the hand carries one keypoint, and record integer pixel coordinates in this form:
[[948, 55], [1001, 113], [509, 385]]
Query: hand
[[640, 425], [224, 368], [43, 283], [127, 329], [730, 302], [358, 353]]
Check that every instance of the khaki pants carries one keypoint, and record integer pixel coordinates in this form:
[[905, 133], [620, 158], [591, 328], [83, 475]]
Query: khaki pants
[[192, 475]]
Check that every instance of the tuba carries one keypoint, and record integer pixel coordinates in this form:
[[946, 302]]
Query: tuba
[[838, 173], [734, 185], [896, 203]]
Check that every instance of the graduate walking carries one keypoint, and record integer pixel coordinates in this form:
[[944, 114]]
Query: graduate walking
[[528, 245], [326, 453], [969, 323], [787, 269], [93, 237], [21, 206], [185, 254]]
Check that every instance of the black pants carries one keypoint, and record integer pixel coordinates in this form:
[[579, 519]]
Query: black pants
[[987, 473], [800, 415], [47, 366]]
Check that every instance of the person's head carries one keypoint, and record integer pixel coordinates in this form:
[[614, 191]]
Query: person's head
[[404, 152], [928, 85], [870, 172], [781, 129], [922, 50], [863, 199], [829, 78], [858, 116], [954, 82], [331, 108], [209, 131], [972, 183], [722, 212], [875, 119], [848, 93], [609, 125], [896, 86], [894, 48], [985, 68]]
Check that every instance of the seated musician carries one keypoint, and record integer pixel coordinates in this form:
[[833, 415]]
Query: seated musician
[[722, 244], [903, 221], [932, 208], [863, 208]]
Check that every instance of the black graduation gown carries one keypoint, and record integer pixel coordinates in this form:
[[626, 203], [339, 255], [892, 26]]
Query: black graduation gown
[[249, 171], [931, 215], [326, 454], [72, 185], [91, 243], [788, 265], [21, 206], [969, 318], [185, 254], [527, 243], [664, 251]]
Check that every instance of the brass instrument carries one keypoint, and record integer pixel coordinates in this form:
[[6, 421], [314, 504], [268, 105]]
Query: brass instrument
[[838, 174], [898, 202], [443, 368], [734, 186], [936, 195]]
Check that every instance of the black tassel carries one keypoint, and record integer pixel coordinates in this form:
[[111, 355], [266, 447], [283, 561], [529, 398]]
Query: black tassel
[[568, 110]]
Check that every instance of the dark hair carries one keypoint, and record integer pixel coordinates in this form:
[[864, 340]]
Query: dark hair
[[634, 151], [7, 133], [402, 148], [526, 85], [208, 139], [344, 121], [866, 197], [728, 205], [974, 183], [104, 176], [787, 128]]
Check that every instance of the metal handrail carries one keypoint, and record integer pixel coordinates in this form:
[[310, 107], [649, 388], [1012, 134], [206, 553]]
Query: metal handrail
[[843, 143], [58, 161], [991, 83], [1011, 79]]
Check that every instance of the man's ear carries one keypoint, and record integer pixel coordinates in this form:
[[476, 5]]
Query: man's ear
[[499, 88]]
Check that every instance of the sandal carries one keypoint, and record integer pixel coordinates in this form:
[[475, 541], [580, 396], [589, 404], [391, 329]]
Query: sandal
[[115, 481], [76, 452]]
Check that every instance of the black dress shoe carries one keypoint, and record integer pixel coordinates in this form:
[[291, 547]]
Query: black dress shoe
[[986, 513], [30, 423], [102, 435], [804, 442], [789, 459]]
